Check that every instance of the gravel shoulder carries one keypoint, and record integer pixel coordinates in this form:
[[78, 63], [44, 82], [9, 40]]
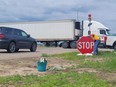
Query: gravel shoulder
[[38, 53]]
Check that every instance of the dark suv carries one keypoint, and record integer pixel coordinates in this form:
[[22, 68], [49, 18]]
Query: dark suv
[[13, 39]]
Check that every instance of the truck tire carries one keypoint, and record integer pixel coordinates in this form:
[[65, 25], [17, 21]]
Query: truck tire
[[65, 44], [46, 43], [53, 44], [11, 47], [73, 44], [115, 47]]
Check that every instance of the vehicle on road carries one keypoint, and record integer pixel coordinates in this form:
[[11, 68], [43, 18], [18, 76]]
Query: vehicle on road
[[13, 39], [64, 33]]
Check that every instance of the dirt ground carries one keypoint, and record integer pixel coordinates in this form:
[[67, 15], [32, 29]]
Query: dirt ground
[[28, 65], [25, 62]]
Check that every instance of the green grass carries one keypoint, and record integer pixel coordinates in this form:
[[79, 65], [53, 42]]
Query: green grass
[[108, 62], [73, 55], [69, 79], [44, 55], [69, 56], [107, 65]]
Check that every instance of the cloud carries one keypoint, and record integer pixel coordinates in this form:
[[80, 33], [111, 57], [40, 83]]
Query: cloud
[[39, 8], [33, 10]]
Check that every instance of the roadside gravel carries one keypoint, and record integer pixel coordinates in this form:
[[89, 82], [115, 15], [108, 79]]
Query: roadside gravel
[[38, 53]]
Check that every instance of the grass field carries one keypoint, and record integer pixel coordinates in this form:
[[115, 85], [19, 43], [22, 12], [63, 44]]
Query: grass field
[[105, 75], [105, 60]]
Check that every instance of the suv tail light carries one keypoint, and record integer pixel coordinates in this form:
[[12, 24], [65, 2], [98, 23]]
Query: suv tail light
[[2, 36]]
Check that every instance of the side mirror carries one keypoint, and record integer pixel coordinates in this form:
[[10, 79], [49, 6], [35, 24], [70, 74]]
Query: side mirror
[[28, 35]]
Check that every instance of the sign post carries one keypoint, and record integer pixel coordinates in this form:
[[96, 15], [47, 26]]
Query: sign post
[[89, 17], [85, 45], [89, 25]]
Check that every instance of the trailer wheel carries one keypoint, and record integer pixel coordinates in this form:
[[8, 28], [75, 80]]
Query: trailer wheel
[[65, 44], [73, 44], [53, 44]]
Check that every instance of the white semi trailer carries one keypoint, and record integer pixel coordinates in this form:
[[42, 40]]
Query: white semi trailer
[[50, 31], [67, 31]]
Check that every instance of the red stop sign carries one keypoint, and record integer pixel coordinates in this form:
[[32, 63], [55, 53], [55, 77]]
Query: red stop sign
[[85, 44]]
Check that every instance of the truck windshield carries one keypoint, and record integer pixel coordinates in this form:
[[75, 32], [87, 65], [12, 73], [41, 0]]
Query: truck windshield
[[104, 31], [108, 32]]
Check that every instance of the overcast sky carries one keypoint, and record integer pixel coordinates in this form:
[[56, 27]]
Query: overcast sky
[[103, 11]]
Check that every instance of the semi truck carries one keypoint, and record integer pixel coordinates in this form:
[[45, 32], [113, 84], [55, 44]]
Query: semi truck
[[65, 31]]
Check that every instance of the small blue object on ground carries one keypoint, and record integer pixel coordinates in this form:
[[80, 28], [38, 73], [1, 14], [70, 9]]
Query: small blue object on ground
[[41, 66]]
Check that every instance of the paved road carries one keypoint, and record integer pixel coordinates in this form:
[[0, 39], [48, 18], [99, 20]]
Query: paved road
[[38, 53]]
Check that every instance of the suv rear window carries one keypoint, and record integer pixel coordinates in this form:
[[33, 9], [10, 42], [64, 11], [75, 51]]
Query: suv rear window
[[5, 30], [1, 30]]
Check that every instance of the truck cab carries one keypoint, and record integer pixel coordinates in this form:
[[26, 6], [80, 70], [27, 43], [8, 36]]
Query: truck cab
[[111, 40], [95, 28], [107, 39]]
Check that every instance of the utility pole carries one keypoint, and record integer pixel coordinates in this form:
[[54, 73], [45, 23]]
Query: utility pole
[[77, 16]]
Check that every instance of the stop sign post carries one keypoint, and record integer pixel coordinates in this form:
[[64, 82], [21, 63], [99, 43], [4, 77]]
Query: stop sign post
[[85, 45]]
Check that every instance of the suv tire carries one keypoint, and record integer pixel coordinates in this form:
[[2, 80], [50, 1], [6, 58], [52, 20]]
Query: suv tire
[[12, 47], [33, 47], [16, 50]]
